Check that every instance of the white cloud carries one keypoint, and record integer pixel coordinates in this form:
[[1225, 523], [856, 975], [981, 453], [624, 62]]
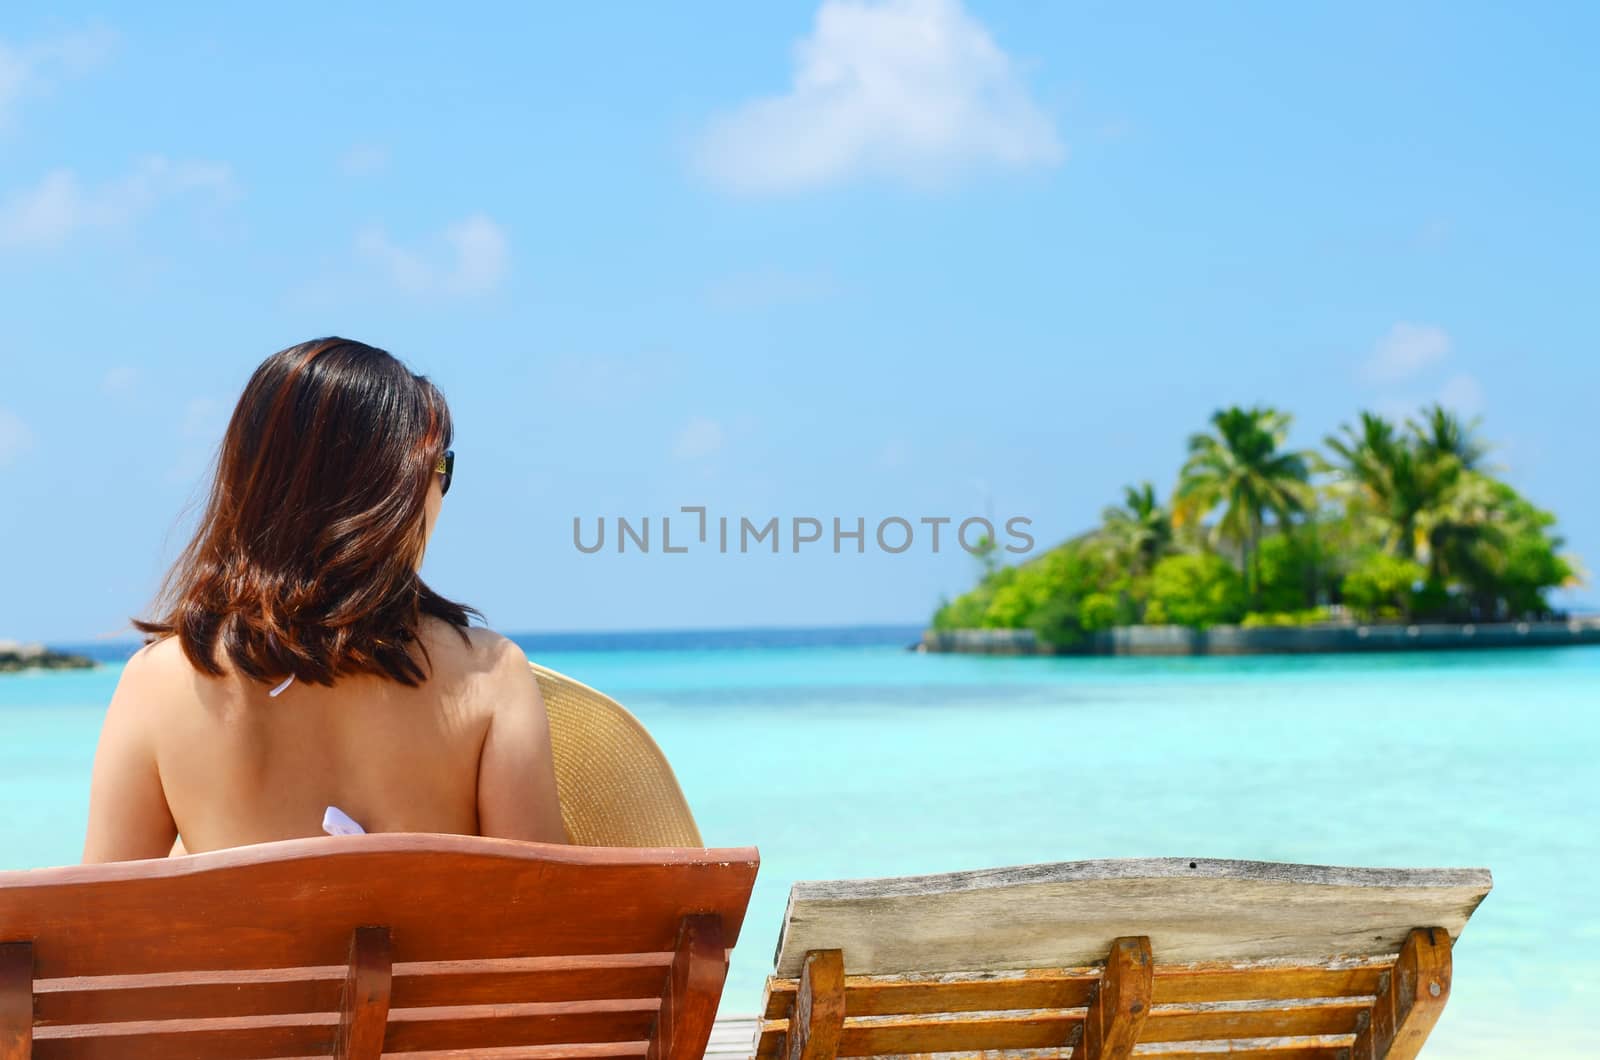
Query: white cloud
[[906, 89], [1462, 394], [15, 438], [363, 160], [61, 206], [699, 438], [468, 257], [29, 69], [1406, 351], [1403, 364]]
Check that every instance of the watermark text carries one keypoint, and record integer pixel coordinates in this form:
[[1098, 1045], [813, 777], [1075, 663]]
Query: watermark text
[[693, 528]]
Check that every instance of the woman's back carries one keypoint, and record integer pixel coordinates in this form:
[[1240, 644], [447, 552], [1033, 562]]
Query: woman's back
[[221, 762], [238, 765]]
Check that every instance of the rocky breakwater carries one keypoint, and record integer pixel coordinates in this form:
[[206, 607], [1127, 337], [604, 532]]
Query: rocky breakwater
[[15, 657]]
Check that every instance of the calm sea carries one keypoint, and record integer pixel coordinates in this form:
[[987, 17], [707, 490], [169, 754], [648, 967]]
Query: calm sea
[[842, 755]]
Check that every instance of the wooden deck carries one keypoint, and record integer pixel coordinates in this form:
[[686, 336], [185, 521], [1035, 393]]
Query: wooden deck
[[733, 1038]]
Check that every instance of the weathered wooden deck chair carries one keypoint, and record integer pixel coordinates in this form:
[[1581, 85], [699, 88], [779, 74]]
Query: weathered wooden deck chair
[[1102, 959], [424, 947]]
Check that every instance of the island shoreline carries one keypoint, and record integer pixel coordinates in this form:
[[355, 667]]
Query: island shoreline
[[1324, 639], [20, 658]]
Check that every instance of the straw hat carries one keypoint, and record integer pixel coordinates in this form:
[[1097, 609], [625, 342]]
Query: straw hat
[[616, 787]]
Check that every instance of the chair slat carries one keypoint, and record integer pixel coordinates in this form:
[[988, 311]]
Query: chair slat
[[222, 1038], [187, 995], [908, 995], [770, 1038], [497, 1026], [818, 1009], [986, 1032], [1120, 1005], [273, 991], [16, 1000], [596, 977], [1410, 1000], [1263, 1049], [364, 1002], [582, 1051], [694, 985], [1068, 988], [1185, 1023], [1180, 985], [452, 1027]]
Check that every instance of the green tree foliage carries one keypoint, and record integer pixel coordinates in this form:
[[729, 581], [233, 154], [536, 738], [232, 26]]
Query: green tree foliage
[[1240, 466], [1407, 522], [1310, 616], [1288, 565], [1199, 589], [964, 612], [1499, 549], [1099, 611], [1384, 585], [1441, 434], [1387, 485], [1416, 486], [1139, 531], [1047, 595]]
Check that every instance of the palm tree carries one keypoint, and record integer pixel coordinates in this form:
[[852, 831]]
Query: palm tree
[[1442, 435], [1463, 531], [1390, 481], [1140, 529], [1242, 466], [1407, 482]]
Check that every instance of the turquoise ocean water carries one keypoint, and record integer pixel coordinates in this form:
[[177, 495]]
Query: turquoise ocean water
[[842, 755]]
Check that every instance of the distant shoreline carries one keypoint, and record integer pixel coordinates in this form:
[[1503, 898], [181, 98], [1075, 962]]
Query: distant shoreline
[[17, 658], [1328, 638], [114, 652]]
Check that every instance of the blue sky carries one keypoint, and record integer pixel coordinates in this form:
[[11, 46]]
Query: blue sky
[[911, 258]]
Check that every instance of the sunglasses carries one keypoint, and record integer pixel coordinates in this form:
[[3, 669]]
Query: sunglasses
[[446, 467]]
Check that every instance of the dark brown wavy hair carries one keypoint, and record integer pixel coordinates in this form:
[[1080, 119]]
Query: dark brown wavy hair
[[304, 562]]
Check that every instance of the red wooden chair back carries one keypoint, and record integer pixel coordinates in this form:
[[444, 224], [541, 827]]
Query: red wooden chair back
[[431, 945]]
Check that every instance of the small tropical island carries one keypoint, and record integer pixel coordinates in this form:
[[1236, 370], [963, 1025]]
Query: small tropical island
[[1397, 536], [16, 657]]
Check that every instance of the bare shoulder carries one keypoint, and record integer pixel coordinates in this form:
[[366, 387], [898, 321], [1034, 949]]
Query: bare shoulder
[[153, 679], [496, 649], [489, 663], [154, 672], [507, 667], [159, 658]]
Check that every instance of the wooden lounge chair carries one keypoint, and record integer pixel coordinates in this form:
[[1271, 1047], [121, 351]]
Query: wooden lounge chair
[[1106, 959], [426, 947]]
